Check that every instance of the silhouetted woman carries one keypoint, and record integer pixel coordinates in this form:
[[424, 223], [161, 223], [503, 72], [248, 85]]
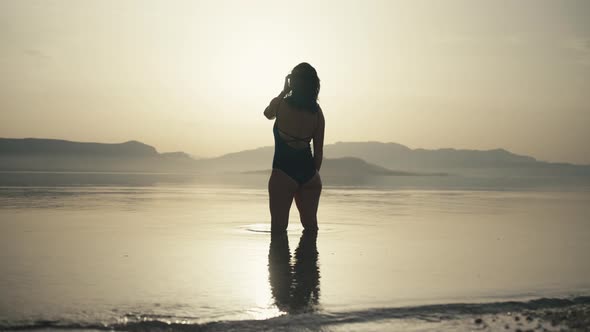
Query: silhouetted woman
[[295, 170]]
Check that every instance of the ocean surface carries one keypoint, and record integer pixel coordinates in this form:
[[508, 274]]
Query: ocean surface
[[166, 252]]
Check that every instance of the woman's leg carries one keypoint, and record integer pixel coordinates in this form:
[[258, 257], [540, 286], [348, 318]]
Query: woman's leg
[[307, 199], [281, 189]]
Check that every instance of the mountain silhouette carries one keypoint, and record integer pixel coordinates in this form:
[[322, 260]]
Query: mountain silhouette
[[35, 146], [342, 159], [394, 156], [33, 154]]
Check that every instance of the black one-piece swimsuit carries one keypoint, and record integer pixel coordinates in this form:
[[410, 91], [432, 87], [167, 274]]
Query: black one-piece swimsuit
[[297, 163]]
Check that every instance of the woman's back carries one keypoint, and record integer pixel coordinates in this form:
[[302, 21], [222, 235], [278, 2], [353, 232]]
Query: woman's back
[[296, 126]]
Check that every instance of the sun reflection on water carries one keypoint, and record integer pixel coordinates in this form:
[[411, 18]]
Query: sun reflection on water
[[281, 283]]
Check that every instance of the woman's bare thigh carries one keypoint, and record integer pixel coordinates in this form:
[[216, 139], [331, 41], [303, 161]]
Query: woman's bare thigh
[[307, 199], [281, 189]]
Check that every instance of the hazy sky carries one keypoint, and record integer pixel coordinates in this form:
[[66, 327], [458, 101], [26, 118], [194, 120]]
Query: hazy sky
[[196, 76]]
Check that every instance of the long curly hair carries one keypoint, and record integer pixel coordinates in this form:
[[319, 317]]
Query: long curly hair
[[305, 88]]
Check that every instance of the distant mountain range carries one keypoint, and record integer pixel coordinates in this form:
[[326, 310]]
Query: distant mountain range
[[342, 159], [393, 156], [32, 154]]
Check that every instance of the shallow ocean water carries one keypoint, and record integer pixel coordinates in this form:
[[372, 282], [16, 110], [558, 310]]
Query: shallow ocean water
[[200, 255]]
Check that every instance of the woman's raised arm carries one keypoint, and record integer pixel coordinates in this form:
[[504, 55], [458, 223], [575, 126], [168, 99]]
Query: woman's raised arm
[[271, 110]]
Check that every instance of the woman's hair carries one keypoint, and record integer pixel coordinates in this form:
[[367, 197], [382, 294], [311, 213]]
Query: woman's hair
[[305, 87]]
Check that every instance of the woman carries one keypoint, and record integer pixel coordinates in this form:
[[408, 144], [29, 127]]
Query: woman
[[295, 173]]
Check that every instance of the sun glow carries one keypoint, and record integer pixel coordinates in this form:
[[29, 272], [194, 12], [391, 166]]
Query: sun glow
[[259, 291], [251, 283], [252, 67]]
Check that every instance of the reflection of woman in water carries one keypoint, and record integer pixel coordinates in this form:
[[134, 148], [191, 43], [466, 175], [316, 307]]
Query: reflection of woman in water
[[296, 288], [295, 173]]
